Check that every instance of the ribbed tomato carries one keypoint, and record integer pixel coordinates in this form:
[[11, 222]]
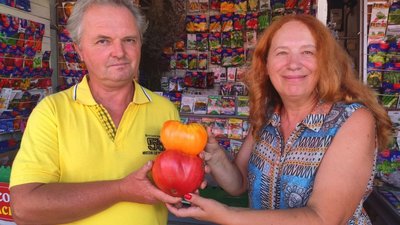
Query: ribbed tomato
[[188, 138], [177, 173]]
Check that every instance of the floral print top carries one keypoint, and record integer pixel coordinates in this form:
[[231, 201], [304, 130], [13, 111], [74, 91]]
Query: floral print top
[[281, 175]]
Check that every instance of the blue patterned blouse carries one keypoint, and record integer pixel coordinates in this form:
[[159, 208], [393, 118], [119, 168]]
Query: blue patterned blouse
[[281, 175]]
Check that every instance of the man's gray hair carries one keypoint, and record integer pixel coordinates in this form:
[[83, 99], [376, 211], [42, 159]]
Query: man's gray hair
[[74, 24]]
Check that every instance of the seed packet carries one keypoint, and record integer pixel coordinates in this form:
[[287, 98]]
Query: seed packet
[[215, 5], [226, 88], [187, 104], [265, 5], [240, 6], [231, 74], [237, 39], [252, 21], [235, 128], [202, 41], [192, 61], [242, 106], [219, 73], [202, 61], [215, 23], [227, 22], [191, 42], [227, 6], [207, 121], [226, 59], [180, 44], [263, 20], [252, 5], [181, 61], [200, 105], [214, 105], [241, 72], [234, 148], [238, 57], [214, 40], [193, 6], [203, 5], [200, 22], [226, 145], [250, 39], [220, 128], [239, 22], [304, 6], [226, 39], [216, 56], [228, 105], [190, 24]]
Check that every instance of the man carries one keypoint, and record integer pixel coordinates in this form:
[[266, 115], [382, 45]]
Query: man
[[86, 152]]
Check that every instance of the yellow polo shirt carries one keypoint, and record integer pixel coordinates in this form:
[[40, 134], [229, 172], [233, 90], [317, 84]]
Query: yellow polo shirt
[[70, 138]]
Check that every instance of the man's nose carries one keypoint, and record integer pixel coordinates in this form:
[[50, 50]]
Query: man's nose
[[118, 49]]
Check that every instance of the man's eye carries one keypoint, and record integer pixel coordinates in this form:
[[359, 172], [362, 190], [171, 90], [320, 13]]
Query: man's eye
[[130, 40], [102, 41]]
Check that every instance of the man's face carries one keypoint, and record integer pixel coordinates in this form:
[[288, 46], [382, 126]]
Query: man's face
[[110, 44]]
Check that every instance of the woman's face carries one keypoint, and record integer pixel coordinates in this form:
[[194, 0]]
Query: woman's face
[[292, 62]]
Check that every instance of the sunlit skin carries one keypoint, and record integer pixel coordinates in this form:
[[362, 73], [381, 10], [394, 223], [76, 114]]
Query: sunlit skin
[[292, 63], [112, 55]]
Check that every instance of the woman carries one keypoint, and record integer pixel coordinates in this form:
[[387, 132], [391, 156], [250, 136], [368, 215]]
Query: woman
[[315, 133]]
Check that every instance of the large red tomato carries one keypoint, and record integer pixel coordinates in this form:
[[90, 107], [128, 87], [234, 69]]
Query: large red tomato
[[188, 138], [177, 173]]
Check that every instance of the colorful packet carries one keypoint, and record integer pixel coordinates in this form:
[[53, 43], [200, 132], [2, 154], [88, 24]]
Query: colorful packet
[[227, 22], [192, 61], [214, 105], [181, 61], [239, 22], [238, 58], [202, 62], [237, 39], [240, 6], [215, 23], [215, 5], [191, 42], [190, 24], [227, 6], [214, 40], [226, 59], [263, 20], [216, 56], [252, 21], [193, 6], [202, 41], [200, 23], [252, 5], [226, 39], [251, 38]]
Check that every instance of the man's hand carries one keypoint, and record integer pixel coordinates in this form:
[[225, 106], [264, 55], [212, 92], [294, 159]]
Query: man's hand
[[137, 187]]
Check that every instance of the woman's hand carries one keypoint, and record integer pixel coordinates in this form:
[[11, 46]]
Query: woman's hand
[[201, 209], [213, 152]]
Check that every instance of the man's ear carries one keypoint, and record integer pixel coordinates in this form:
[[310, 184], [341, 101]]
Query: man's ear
[[78, 50]]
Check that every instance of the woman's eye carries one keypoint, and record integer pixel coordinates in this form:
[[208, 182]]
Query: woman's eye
[[308, 53]]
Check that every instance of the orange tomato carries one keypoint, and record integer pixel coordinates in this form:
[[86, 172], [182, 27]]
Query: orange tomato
[[188, 138]]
